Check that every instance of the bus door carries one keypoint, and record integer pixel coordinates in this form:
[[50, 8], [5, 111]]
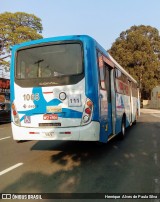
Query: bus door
[[105, 100], [131, 102]]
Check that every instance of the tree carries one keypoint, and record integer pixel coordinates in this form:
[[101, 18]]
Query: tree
[[16, 28], [138, 51]]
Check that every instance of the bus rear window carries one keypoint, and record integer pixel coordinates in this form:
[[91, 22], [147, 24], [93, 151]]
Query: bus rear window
[[56, 60]]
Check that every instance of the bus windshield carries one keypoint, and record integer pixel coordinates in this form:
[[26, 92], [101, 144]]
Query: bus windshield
[[56, 60]]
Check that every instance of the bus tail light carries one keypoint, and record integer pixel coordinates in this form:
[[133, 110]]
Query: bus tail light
[[32, 133], [66, 133], [87, 112], [15, 115]]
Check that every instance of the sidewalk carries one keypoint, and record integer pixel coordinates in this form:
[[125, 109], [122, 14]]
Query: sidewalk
[[142, 110]]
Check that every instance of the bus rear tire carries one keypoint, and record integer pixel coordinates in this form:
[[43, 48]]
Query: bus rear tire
[[136, 117], [123, 128]]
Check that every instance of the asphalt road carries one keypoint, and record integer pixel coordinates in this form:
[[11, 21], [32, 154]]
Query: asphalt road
[[128, 166]]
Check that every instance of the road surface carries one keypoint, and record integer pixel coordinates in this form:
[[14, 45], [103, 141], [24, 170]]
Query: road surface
[[128, 166]]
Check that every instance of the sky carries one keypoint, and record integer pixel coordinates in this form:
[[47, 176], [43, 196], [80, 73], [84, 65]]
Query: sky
[[104, 20]]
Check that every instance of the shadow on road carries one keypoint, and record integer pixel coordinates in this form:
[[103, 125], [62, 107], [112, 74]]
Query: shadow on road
[[87, 167]]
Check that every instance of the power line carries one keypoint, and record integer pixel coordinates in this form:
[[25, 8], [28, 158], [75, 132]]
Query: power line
[[5, 57]]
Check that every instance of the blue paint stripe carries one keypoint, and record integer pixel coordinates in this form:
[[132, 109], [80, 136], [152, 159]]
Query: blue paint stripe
[[42, 105]]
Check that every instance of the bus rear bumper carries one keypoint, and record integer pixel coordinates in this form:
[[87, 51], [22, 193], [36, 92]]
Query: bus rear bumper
[[90, 132]]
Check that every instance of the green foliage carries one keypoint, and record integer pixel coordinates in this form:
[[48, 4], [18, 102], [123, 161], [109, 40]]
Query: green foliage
[[138, 51], [16, 28]]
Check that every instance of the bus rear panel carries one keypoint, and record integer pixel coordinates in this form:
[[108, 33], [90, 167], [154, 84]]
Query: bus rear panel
[[49, 99]]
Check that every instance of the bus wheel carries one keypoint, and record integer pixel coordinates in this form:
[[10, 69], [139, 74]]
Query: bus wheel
[[21, 141], [123, 128], [136, 117]]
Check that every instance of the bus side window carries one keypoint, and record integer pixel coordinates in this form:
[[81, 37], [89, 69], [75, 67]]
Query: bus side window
[[108, 82], [101, 71], [119, 82]]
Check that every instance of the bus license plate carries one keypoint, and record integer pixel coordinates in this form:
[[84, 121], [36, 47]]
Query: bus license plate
[[50, 117], [49, 134]]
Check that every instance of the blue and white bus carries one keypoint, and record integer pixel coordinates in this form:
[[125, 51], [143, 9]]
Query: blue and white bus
[[70, 88]]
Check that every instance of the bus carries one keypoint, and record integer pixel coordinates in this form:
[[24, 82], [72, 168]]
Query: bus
[[70, 88]]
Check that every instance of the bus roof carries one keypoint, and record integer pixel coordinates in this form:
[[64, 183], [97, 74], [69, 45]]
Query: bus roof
[[70, 38], [53, 39], [121, 68]]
